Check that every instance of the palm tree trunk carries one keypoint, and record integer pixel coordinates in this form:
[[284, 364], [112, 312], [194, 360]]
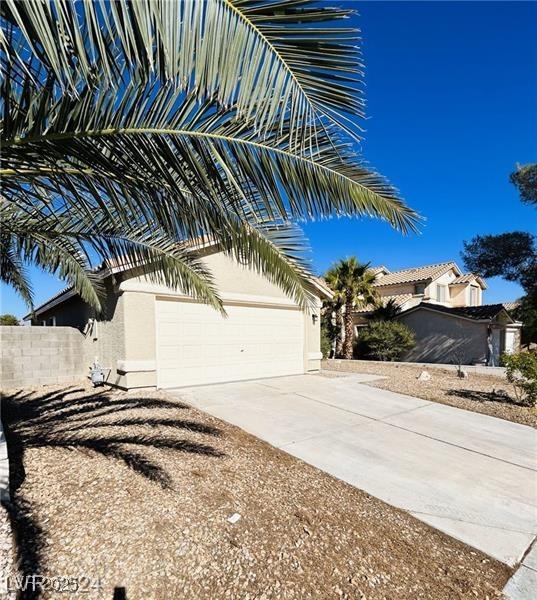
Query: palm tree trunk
[[349, 330], [339, 333]]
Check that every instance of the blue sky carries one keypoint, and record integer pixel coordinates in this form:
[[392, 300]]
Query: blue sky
[[452, 105]]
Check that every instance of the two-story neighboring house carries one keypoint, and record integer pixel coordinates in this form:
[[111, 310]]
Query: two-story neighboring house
[[444, 307], [442, 283]]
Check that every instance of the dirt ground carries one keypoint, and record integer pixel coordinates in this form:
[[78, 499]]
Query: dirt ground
[[487, 394], [131, 494]]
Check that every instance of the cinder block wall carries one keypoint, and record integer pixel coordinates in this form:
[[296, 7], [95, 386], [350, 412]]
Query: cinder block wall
[[41, 355]]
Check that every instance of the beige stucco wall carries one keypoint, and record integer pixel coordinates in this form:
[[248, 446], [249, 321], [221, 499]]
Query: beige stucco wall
[[235, 283], [123, 340], [459, 295], [138, 363], [312, 339], [103, 335], [395, 290], [232, 280], [431, 291], [440, 338], [231, 277]]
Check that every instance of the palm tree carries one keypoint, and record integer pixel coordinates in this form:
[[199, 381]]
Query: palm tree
[[135, 131], [352, 284], [385, 312]]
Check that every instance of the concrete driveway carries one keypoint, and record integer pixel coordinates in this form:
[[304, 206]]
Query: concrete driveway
[[472, 476]]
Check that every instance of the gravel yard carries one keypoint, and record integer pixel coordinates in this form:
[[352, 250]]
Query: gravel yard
[[6, 553], [487, 394], [135, 490]]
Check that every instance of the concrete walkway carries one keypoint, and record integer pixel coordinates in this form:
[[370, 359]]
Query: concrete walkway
[[470, 475]]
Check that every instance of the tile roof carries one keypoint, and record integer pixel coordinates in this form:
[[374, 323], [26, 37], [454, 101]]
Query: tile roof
[[399, 300], [468, 278], [511, 305], [417, 274], [376, 270], [479, 313]]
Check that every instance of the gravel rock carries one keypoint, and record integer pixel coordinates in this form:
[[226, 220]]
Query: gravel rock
[[132, 491], [424, 376], [487, 394], [6, 555]]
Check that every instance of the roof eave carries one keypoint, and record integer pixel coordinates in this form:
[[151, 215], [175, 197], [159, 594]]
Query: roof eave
[[54, 301]]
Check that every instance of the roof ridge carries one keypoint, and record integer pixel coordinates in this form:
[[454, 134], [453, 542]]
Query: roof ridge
[[442, 264]]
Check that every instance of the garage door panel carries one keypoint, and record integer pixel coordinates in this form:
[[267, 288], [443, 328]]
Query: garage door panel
[[197, 346]]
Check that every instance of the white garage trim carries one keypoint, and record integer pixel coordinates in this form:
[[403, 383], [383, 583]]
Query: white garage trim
[[195, 345], [162, 293]]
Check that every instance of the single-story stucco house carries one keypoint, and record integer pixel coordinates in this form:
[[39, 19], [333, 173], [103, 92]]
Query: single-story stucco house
[[154, 336], [471, 335]]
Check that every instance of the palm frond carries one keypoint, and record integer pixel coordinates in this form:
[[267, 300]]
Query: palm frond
[[61, 243], [12, 268], [276, 251], [272, 60], [148, 137], [131, 128]]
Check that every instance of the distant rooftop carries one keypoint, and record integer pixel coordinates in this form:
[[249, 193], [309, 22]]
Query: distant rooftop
[[414, 274], [479, 313], [399, 300]]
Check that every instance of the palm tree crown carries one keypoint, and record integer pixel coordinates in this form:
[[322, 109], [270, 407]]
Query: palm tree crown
[[130, 129]]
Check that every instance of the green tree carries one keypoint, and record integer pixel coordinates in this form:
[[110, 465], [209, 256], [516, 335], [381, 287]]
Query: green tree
[[352, 285], [525, 179], [386, 340], [511, 255], [132, 129], [8, 320]]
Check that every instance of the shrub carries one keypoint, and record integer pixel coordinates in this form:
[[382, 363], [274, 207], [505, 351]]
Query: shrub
[[326, 344], [521, 371], [385, 340], [8, 320]]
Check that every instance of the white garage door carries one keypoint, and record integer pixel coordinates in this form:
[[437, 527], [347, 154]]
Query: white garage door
[[196, 345]]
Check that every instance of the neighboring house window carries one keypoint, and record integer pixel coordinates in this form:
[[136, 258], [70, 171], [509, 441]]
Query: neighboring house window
[[441, 293], [419, 288], [50, 322], [474, 296]]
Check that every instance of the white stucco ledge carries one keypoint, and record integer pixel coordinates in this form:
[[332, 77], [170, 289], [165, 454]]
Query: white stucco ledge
[[136, 366], [315, 355], [4, 467]]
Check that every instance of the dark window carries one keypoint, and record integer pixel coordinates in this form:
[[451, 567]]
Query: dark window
[[419, 288]]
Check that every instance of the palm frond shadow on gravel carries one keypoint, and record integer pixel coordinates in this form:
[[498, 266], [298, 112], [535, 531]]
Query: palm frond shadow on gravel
[[96, 424]]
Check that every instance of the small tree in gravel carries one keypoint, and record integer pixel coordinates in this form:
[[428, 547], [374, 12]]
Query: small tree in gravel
[[521, 371], [386, 340]]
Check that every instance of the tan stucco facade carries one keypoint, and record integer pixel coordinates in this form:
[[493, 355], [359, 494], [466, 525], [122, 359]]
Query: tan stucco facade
[[124, 340], [444, 338], [452, 294]]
